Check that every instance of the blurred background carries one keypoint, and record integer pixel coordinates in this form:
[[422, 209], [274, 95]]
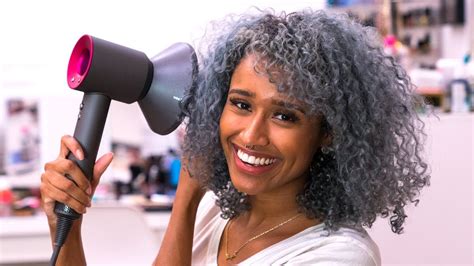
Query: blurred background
[[432, 39]]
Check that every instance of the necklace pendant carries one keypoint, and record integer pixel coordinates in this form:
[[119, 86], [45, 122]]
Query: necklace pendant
[[230, 257]]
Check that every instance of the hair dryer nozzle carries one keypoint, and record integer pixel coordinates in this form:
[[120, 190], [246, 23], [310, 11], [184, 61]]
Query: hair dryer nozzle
[[175, 71]]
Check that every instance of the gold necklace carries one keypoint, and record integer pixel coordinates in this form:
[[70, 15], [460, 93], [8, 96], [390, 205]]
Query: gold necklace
[[231, 257]]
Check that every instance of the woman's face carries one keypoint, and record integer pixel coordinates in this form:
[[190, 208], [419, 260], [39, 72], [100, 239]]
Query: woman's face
[[283, 137]]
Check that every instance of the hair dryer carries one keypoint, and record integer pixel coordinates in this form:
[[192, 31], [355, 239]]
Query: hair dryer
[[105, 71]]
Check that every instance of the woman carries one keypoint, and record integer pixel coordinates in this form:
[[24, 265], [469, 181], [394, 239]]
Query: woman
[[302, 130]]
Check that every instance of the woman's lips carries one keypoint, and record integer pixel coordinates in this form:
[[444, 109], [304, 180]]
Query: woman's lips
[[253, 169]]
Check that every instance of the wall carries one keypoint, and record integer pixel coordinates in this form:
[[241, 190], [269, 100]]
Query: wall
[[440, 230], [38, 37]]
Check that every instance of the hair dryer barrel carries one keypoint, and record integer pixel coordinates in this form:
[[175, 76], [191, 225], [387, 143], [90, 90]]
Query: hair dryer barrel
[[117, 71], [127, 75]]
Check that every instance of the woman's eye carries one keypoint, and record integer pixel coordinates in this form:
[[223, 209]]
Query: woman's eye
[[243, 106], [286, 117], [240, 104]]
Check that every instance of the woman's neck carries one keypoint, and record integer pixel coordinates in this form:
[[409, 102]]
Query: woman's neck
[[276, 204], [271, 207]]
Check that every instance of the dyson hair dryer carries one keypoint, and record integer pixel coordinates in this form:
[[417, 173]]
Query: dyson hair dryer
[[105, 71]]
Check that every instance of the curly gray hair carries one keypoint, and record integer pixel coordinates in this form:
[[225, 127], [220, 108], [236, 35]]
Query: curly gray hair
[[337, 68]]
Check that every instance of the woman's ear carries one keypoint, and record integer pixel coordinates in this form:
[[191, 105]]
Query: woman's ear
[[326, 140], [326, 133]]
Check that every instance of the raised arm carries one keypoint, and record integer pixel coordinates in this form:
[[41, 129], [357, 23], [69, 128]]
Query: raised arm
[[176, 247], [56, 187]]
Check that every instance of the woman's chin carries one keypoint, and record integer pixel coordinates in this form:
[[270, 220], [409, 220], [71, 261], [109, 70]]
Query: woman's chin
[[249, 188]]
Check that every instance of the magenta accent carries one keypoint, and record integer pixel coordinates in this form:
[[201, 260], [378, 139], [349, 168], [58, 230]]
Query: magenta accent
[[80, 61]]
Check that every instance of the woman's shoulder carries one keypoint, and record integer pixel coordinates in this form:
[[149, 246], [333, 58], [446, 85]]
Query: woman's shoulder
[[207, 216], [207, 230], [315, 246], [207, 207], [346, 246]]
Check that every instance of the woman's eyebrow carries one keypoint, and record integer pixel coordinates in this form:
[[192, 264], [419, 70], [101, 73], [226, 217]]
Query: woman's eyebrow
[[242, 92], [288, 105], [280, 103]]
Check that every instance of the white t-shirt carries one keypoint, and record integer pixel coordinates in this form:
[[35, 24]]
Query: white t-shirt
[[311, 246]]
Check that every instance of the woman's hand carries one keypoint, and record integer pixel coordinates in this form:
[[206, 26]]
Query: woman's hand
[[76, 193]]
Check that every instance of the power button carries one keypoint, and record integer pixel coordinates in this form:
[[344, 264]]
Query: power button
[[80, 110]]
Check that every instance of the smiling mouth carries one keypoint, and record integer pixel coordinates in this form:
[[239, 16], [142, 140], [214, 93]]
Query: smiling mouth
[[254, 161]]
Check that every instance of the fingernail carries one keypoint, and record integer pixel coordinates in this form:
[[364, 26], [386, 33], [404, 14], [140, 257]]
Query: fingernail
[[79, 154], [89, 191]]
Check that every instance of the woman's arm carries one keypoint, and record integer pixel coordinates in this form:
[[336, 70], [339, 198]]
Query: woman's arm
[[76, 194], [72, 252], [176, 247]]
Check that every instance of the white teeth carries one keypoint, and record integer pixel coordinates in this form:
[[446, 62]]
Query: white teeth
[[254, 160]]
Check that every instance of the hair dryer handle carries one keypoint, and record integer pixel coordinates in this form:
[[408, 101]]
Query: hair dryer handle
[[89, 128]]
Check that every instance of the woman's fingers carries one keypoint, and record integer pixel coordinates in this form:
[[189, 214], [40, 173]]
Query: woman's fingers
[[65, 182], [99, 168], [70, 144], [68, 186], [68, 170], [61, 189]]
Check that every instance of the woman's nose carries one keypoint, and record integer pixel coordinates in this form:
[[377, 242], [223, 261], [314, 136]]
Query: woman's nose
[[255, 131]]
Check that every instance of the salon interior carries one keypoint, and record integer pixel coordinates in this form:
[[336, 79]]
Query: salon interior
[[432, 39]]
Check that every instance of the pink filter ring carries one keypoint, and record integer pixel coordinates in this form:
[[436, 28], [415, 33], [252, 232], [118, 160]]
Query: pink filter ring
[[80, 61]]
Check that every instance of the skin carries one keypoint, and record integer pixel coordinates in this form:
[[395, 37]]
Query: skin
[[55, 187], [251, 116]]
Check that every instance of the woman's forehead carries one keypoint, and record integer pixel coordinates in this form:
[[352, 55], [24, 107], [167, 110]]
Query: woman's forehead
[[257, 64]]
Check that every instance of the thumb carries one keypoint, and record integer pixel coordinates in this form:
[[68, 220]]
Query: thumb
[[99, 168]]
